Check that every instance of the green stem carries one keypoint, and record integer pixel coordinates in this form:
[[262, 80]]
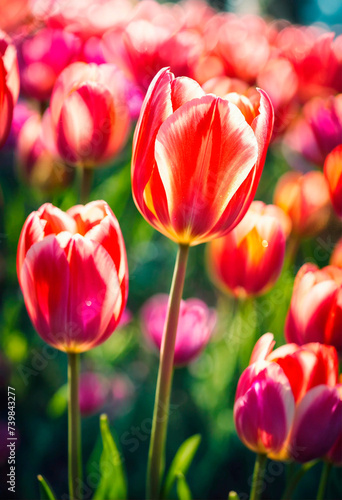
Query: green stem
[[74, 428], [87, 174], [162, 398], [294, 480], [324, 480], [258, 477], [292, 250]]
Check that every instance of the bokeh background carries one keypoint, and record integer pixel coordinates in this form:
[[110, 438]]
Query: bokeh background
[[203, 393]]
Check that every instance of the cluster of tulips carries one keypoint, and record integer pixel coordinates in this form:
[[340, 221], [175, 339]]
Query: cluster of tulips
[[210, 93]]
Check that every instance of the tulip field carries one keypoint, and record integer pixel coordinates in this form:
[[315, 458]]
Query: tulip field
[[170, 250]]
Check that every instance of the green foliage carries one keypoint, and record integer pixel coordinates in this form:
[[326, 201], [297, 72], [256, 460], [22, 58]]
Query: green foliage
[[45, 490], [181, 462], [183, 490], [113, 483]]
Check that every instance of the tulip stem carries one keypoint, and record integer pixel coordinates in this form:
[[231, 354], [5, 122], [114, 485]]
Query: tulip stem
[[74, 428], [162, 399], [258, 477], [324, 480], [294, 480], [87, 174]]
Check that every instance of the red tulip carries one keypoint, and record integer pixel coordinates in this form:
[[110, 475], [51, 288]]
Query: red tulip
[[248, 260], [197, 159], [72, 270], [305, 199], [144, 47], [287, 403], [195, 325], [89, 116], [315, 313], [333, 175], [9, 85], [43, 57]]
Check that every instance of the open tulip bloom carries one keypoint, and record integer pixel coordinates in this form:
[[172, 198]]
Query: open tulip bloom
[[288, 405], [197, 160], [72, 270]]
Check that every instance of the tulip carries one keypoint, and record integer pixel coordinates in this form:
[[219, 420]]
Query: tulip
[[287, 404], [195, 326], [248, 260], [37, 166], [9, 85], [43, 56], [315, 313], [73, 273], [89, 117], [305, 199], [93, 391], [336, 256], [21, 113], [144, 47], [334, 455], [197, 159], [333, 175], [314, 135], [315, 57]]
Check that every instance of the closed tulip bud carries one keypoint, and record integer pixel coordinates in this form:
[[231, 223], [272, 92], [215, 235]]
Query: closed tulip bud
[[89, 116], [333, 175], [336, 256], [9, 84], [248, 260], [287, 404], [197, 158], [37, 165], [315, 313], [305, 199], [93, 391], [195, 325], [72, 269], [43, 57]]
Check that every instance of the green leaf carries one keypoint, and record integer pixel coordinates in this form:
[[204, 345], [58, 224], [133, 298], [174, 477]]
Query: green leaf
[[183, 490], [113, 483], [181, 462], [45, 490], [233, 495]]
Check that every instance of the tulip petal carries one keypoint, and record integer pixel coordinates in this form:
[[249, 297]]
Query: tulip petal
[[157, 106], [317, 424], [46, 263], [262, 348], [204, 152], [93, 292], [184, 89], [263, 415]]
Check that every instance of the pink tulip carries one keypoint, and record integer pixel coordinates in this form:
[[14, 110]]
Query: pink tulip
[[334, 455], [287, 404], [21, 113], [37, 165], [89, 116], [318, 131], [315, 313], [93, 391], [248, 260], [195, 325], [9, 85], [43, 57], [333, 175], [72, 269], [305, 199]]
